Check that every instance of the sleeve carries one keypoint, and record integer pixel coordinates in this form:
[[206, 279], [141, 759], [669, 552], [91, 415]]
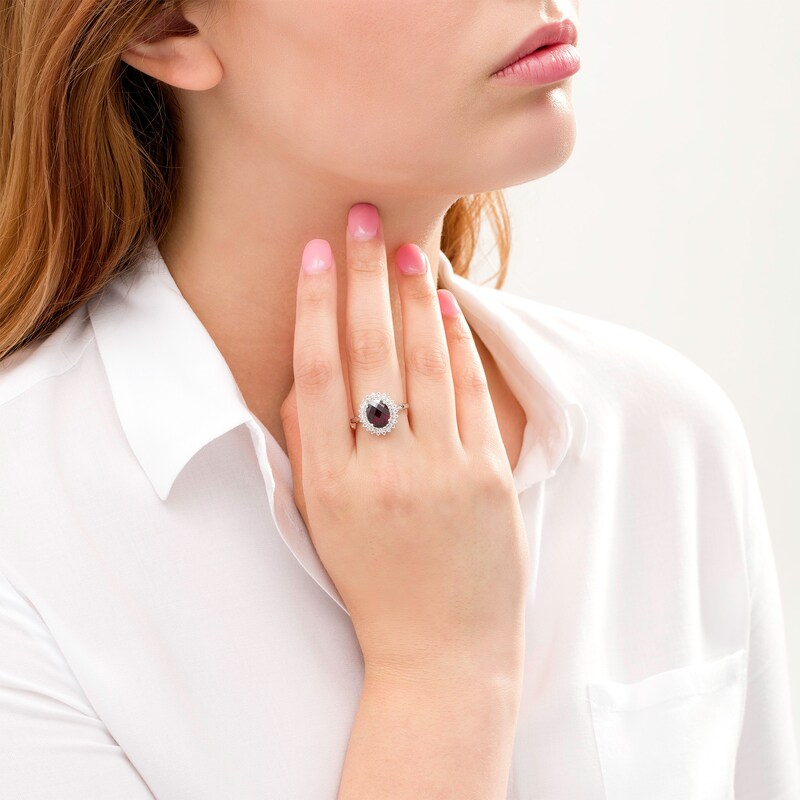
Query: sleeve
[[767, 759], [52, 744]]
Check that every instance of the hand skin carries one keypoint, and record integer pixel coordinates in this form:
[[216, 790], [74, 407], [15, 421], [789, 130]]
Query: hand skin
[[420, 530]]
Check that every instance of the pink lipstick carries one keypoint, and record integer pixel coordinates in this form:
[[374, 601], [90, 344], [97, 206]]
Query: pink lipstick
[[547, 55]]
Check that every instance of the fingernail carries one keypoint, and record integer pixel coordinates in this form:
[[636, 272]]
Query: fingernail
[[411, 259], [448, 303], [363, 221], [317, 256]]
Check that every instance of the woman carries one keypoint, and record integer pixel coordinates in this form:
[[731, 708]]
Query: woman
[[229, 570]]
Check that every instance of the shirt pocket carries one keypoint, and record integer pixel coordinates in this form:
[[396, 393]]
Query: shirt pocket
[[672, 735]]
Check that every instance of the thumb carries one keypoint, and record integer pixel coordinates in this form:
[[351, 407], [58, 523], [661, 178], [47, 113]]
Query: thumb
[[291, 430]]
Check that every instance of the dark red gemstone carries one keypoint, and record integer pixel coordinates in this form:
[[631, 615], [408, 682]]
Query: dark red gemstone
[[378, 415]]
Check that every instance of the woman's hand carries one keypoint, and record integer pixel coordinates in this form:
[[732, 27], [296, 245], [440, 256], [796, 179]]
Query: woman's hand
[[420, 529]]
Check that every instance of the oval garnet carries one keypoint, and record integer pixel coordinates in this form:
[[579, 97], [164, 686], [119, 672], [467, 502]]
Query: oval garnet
[[378, 415]]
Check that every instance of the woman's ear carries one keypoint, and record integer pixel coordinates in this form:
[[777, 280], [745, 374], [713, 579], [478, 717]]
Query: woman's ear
[[173, 50]]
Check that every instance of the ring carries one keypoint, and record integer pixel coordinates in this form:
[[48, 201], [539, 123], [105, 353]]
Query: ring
[[378, 413]]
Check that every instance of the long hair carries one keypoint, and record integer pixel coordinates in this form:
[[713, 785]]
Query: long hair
[[88, 159]]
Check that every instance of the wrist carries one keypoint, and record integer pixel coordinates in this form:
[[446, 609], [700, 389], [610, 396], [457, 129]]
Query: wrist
[[485, 703], [448, 678], [493, 659], [432, 733]]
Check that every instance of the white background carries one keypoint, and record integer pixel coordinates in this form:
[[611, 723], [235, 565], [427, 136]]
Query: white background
[[677, 214]]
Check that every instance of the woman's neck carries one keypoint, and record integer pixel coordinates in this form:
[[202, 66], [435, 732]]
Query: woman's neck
[[234, 252]]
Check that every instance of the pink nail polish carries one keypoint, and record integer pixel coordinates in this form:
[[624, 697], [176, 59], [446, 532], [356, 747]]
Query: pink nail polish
[[317, 256], [411, 260], [448, 303], [363, 221]]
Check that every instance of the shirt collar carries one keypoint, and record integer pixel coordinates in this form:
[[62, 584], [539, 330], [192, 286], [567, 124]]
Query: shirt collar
[[174, 392], [539, 381]]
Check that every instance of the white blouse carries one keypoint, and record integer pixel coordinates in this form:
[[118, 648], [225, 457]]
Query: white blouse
[[167, 629]]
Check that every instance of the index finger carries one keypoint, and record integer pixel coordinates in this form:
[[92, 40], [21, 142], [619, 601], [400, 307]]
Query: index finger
[[322, 402]]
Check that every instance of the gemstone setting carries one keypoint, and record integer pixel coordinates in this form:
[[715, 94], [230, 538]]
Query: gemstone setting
[[378, 413]]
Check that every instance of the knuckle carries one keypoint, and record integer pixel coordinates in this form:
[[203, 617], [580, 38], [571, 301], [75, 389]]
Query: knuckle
[[429, 361], [460, 333], [312, 373], [472, 380], [395, 492], [327, 482], [364, 261], [315, 297], [421, 291], [492, 477], [369, 347]]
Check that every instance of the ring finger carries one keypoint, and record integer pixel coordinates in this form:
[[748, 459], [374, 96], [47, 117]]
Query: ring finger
[[373, 363]]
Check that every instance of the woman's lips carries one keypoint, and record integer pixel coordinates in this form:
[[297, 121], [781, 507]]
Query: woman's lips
[[545, 65]]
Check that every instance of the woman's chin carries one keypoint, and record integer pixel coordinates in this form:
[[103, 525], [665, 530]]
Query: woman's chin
[[534, 148]]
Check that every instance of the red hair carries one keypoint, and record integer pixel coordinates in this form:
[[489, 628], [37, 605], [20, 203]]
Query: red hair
[[88, 159]]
